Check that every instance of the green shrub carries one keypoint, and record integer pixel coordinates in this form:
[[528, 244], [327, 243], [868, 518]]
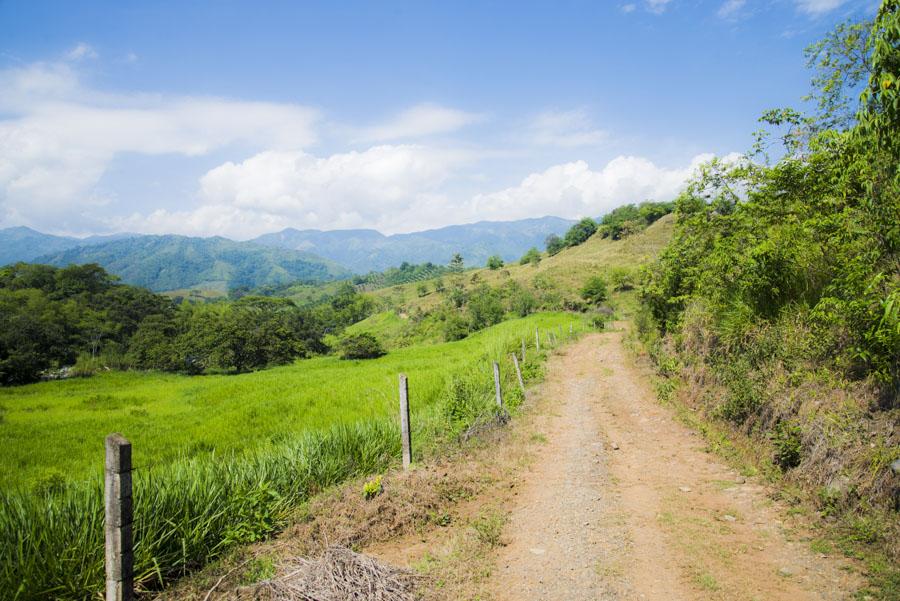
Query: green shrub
[[594, 290], [372, 488], [360, 346], [787, 440], [580, 232], [533, 256], [494, 262]]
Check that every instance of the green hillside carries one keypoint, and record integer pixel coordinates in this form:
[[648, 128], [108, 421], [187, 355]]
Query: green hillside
[[178, 262]]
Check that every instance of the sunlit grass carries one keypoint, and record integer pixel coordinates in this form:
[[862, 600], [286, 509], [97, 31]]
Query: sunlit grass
[[221, 459]]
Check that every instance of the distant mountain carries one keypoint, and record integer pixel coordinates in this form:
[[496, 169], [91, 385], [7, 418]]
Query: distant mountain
[[25, 244], [179, 262], [369, 250]]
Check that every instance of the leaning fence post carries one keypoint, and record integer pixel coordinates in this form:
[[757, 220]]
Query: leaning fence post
[[119, 507], [497, 385], [518, 372], [537, 340], [404, 422]]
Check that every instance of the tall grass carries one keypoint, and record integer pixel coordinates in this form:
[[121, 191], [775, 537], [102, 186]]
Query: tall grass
[[191, 510]]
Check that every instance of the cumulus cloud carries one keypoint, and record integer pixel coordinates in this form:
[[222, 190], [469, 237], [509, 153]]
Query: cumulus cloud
[[819, 7], [419, 121], [565, 128], [628, 8], [388, 187], [575, 190], [60, 137], [399, 189]]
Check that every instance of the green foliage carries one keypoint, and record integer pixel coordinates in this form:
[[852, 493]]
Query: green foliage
[[484, 307], [787, 438], [580, 232], [456, 263], [422, 290], [372, 487], [554, 244], [595, 290], [494, 262], [360, 346], [630, 219], [533, 256], [622, 278], [455, 327]]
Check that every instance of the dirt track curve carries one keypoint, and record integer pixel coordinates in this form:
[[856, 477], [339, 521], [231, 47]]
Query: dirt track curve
[[622, 502]]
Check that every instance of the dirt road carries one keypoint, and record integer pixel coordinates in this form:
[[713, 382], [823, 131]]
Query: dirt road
[[622, 502]]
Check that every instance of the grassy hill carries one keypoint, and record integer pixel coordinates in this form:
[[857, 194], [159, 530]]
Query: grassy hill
[[180, 262], [557, 279]]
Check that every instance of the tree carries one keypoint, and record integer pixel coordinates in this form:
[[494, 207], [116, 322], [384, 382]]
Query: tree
[[484, 307], [594, 290], [456, 263], [554, 244], [494, 262], [422, 289], [360, 346], [533, 256], [580, 232]]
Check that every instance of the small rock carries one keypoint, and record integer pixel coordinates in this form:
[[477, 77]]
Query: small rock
[[785, 572], [537, 551], [741, 480], [684, 488], [615, 446], [729, 518], [896, 466]]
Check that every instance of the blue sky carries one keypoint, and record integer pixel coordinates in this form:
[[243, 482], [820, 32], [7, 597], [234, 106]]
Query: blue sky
[[239, 118]]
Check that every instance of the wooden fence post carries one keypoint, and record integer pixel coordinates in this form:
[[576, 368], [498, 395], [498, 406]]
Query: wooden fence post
[[518, 372], [537, 340], [119, 508], [405, 437], [497, 384]]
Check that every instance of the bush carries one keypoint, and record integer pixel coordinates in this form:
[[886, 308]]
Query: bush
[[554, 244], [360, 346], [594, 290], [621, 279], [533, 256], [455, 328], [494, 262], [580, 232]]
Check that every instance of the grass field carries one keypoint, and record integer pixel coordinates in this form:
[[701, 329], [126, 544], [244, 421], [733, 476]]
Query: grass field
[[55, 430], [221, 460]]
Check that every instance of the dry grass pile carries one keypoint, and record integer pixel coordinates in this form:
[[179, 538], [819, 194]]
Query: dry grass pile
[[338, 575]]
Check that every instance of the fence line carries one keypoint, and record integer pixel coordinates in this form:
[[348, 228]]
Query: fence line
[[119, 551]]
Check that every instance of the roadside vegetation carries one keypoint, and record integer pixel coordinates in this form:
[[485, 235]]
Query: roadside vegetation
[[776, 307]]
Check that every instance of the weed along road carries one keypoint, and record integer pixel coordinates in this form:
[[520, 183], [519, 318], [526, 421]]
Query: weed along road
[[622, 502]]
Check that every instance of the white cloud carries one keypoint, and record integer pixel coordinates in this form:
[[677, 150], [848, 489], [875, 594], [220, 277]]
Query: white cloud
[[819, 7], [60, 137], [419, 121], [628, 8], [575, 190], [565, 128], [81, 51], [730, 9], [392, 188], [658, 6], [398, 189]]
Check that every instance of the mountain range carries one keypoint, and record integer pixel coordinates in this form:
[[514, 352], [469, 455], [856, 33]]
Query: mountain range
[[171, 262], [369, 250]]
